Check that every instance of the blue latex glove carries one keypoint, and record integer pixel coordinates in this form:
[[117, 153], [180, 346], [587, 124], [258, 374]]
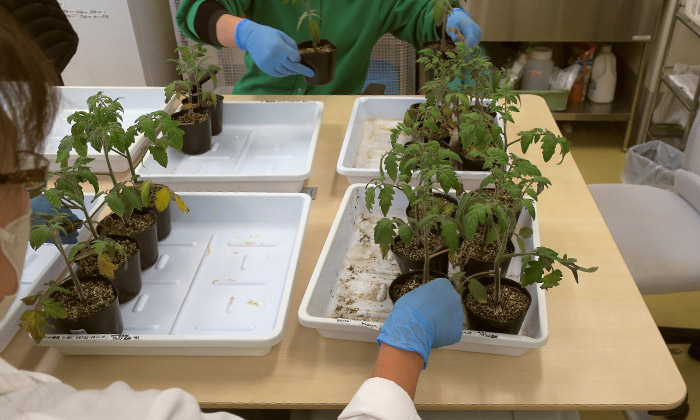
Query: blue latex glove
[[272, 50], [425, 318], [40, 205], [461, 20]]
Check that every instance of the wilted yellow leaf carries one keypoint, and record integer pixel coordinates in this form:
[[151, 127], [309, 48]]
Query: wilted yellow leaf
[[181, 204], [162, 199], [105, 265]]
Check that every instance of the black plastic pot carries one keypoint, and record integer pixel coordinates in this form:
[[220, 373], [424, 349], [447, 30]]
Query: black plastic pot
[[217, 114], [197, 137], [147, 239], [127, 276], [439, 263], [473, 266], [403, 278], [321, 62], [106, 321], [480, 323], [163, 222]]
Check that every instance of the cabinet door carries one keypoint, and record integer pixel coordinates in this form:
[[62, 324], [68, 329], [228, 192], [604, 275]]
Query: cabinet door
[[566, 20]]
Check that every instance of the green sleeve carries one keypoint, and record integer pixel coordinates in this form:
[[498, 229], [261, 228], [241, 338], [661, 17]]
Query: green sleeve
[[187, 11], [409, 20]]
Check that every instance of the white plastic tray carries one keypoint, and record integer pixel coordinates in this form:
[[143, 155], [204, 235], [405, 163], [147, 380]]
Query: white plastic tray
[[44, 263], [264, 146], [337, 293], [136, 101], [368, 137], [222, 283]]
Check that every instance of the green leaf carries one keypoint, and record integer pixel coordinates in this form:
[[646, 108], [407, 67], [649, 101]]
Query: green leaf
[[406, 234], [159, 155], [477, 290], [115, 204], [370, 194], [64, 149], [315, 30], [384, 235], [145, 193], [77, 248], [525, 232], [38, 235], [448, 231], [391, 166], [532, 273], [551, 280], [386, 196], [132, 197], [53, 198], [54, 309]]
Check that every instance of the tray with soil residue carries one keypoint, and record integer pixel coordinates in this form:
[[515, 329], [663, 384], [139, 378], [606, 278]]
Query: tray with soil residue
[[136, 102], [367, 138], [263, 147], [222, 283], [347, 296]]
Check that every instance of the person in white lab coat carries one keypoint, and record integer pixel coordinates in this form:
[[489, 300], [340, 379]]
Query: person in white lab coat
[[428, 317]]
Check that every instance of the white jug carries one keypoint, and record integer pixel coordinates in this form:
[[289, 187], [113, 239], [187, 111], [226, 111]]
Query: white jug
[[603, 77]]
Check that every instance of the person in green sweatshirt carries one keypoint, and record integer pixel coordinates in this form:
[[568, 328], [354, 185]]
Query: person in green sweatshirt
[[269, 35]]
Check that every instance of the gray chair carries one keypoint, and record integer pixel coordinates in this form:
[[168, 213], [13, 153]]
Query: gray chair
[[658, 233]]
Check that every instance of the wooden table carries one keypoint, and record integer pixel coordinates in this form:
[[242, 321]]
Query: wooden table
[[604, 351]]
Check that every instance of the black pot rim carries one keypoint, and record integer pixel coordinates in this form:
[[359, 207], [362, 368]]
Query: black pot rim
[[100, 224], [198, 110], [504, 281], [322, 43], [401, 278]]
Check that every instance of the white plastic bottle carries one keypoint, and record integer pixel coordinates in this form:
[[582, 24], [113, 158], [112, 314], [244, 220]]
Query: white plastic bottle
[[538, 70], [692, 10], [603, 77]]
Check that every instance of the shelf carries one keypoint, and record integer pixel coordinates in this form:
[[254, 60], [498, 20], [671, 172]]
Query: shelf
[[689, 23], [665, 131], [618, 110], [678, 92]]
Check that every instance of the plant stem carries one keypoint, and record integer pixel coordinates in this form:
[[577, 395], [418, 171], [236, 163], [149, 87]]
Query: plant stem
[[88, 219], [109, 164], [134, 177], [76, 282]]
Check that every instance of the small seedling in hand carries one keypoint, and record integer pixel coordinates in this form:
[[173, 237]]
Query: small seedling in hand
[[312, 20]]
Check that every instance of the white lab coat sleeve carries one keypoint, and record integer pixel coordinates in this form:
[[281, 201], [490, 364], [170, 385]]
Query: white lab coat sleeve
[[380, 399], [32, 396]]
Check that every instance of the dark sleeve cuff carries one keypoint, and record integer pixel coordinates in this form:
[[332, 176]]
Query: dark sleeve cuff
[[205, 21]]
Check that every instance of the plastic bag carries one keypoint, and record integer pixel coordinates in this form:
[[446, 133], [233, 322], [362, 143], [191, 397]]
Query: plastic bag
[[651, 163]]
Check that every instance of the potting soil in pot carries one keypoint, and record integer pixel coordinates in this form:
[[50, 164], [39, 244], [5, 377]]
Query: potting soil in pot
[[512, 304], [97, 296], [416, 250], [376, 141], [138, 222], [89, 264]]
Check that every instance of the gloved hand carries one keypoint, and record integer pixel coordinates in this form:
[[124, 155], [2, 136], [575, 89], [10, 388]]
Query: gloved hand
[[461, 20], [40, 205], [272, 50], [425, 318]]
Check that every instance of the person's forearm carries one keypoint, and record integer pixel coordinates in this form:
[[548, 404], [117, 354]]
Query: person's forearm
[[399, 366], [226, 30]]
